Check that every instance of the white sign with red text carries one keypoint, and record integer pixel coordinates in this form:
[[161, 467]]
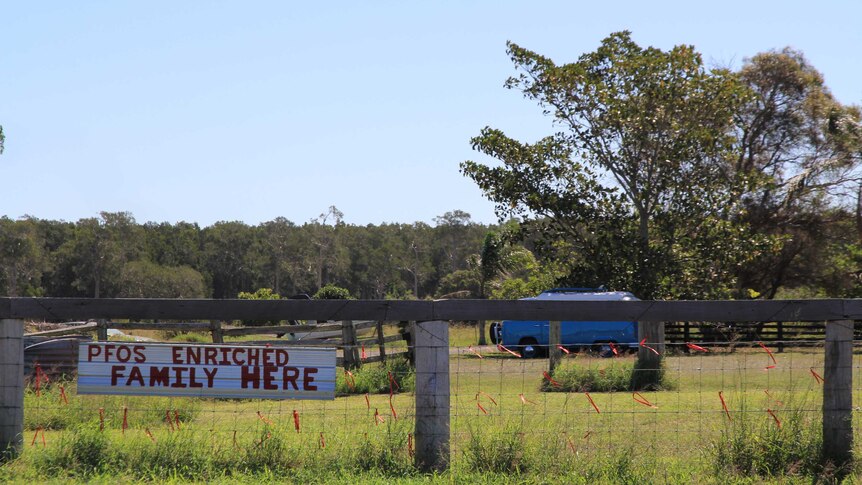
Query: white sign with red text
[[226, 371]]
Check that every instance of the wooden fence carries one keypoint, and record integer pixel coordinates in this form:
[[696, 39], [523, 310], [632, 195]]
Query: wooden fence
[[430, 342]]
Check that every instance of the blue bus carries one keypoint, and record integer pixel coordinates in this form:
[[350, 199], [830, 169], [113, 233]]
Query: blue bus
[[530, 338]]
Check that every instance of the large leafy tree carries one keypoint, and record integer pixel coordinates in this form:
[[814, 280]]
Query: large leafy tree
[[632, 191], [801, 149]]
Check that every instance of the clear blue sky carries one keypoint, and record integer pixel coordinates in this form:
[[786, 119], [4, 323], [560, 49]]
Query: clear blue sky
[[208, 111]]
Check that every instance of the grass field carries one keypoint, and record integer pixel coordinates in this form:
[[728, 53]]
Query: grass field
[[503, 429]]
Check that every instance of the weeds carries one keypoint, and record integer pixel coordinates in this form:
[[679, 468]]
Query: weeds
[[755, 443]]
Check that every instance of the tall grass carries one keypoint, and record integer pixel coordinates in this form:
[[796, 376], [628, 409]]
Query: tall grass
[[48, 410], [755, 444]]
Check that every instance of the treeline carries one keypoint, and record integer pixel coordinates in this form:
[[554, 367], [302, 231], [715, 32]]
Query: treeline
[[114, 256]]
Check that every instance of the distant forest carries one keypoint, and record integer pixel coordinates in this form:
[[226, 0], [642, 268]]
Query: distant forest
[[114, 256]]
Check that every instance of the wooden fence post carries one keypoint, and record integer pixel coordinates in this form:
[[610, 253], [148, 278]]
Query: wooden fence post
[[11, 388], [381, 343], [102, 330], [554, 341], [218, 335], [838, 392], [348, 341], [431, 341], [648, 369]]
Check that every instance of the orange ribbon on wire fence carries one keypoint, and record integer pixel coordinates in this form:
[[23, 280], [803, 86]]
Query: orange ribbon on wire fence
[[592, 402], [696, 347], [296, 420], [63, 397], [471, 349], [502, 348], [639, 398], [724, 405], [817, 376], [644, 345], [39, 430], [551, 379], [350, 380]]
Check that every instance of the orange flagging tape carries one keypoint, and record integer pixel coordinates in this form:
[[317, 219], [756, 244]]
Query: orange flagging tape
[[565, 350], [483, 393], [363, 356], [392, 382], [776, 401], [550, 379], [38, 379], [501, 348], [177, 419], [525, 400], [777, 421], [471, 349], [351, 381], [367, 402], [378, 418], [147, 430], [410, 445], [101, 419], [168, 419], [263, 418], [644, 345], [639, 398], [571, 445], [614, 348], [480, 407], [392, 408], [817, 376], [696, 347], [63, 397], [769, 367], [322, 441], [768, 352], [724, 405], [39, 430], [296, 420], [592, 402], [125, 419]]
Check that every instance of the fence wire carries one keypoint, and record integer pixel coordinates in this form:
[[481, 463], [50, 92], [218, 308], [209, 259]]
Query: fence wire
[[710, 405]]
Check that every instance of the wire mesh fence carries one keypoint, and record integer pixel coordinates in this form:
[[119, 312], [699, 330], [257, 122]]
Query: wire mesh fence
[[746, 408]]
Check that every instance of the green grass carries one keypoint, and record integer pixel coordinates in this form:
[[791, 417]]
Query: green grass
[[686, 437]]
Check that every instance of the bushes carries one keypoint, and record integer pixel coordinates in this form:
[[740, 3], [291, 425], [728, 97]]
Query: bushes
[[374, 378], [614, 376]]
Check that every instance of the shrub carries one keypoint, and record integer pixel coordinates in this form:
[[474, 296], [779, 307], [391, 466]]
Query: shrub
[[614, 376], [374, 378], [332, 292]]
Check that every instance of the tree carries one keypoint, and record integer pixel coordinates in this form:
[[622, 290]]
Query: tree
[[144, 279], [633, 188], [21, 258], [800, 149], [230, 257], [98, 250]]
